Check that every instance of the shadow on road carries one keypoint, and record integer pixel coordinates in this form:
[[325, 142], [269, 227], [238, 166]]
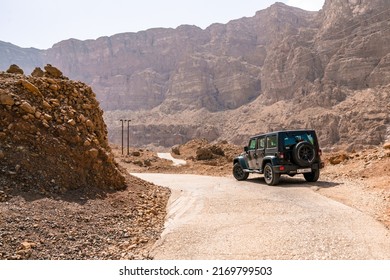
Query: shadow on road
[[286, 182]]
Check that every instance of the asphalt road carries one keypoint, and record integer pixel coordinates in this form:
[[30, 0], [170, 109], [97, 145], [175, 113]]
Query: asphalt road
[[221, 218]]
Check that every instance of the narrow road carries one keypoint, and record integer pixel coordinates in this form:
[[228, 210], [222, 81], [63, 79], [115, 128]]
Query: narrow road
[[221, 218], [175, 161]]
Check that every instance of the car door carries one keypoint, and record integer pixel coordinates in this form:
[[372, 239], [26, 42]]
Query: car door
[[252, 157], [271, 144], [260, 151]]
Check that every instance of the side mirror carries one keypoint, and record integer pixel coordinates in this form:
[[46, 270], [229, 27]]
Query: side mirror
[[246, 148]]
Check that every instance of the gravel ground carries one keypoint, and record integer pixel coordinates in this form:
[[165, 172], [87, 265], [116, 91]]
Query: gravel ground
[[83, 224]]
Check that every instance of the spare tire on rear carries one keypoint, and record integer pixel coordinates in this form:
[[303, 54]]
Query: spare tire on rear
[[303, 154]]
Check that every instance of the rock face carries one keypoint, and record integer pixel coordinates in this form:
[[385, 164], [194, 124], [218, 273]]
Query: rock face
[[353, 39], [52, 133], [282, 54]]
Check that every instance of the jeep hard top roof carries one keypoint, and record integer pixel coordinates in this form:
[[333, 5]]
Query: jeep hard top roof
[[285, 131]]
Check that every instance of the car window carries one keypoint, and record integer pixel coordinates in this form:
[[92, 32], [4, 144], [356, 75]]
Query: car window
[[252, 144], [261, 143], [271, 141], [298, 136], [310, 138]]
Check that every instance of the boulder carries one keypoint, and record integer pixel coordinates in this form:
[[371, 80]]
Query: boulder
[[6, 98], [52, 71], [37, 72], [15, 69]]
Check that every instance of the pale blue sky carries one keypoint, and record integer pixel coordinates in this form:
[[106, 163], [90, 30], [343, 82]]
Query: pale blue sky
[[42, 23]]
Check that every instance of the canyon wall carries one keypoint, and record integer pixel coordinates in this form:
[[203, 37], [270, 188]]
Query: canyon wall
[[282, 68]]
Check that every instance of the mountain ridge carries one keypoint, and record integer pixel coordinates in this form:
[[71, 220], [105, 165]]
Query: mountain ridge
[[167, 78]]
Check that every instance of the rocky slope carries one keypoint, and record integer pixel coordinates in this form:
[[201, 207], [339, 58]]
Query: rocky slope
[[283, 67]]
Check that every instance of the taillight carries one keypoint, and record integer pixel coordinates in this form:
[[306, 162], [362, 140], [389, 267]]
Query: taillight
[[319, 152], [281, 168], [281, 155]]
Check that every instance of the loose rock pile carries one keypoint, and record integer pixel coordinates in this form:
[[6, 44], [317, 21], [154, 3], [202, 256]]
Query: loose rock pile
[[52, 135]]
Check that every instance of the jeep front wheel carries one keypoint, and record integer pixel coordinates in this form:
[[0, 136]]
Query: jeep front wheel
[[239, 173], [271, 178]]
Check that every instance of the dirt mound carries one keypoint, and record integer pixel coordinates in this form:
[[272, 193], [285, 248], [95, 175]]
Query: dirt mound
[[52, 136], [203, 157], [202, 150]]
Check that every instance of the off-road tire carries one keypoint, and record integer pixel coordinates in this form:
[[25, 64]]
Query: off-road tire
[[271, 178], [239, 173], [312, 176], [304, 154]]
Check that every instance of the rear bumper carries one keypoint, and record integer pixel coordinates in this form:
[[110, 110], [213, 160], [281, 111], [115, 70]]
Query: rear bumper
[[295, 169]]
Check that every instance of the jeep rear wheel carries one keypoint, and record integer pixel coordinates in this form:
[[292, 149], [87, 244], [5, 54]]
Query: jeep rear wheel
[[239, 173], [304, 154], [271, 178], [312, 176]]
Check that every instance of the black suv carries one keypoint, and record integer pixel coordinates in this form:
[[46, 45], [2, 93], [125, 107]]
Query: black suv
[[282, 152]]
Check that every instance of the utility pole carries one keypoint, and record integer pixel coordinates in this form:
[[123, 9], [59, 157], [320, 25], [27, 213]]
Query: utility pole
[[128, 136], [122, 135]]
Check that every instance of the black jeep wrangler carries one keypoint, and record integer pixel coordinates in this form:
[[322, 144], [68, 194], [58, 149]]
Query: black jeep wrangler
[[282, 152]]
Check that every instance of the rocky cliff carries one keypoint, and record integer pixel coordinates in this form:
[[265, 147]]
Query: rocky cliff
[[282, 68]]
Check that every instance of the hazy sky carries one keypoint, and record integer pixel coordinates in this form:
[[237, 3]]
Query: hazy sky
[[42, 23]]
